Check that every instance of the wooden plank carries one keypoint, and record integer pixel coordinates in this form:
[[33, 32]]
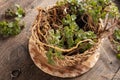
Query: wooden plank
[[14, 53], [117, 75]]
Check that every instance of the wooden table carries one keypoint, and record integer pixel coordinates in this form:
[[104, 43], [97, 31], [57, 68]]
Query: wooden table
[[15, 58]]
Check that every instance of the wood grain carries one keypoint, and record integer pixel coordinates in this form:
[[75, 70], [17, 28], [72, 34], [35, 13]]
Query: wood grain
[[14, 53], [117, 75]]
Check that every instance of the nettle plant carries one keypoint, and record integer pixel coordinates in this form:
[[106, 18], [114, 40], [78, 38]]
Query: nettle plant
[[77, 26], [11, 26], [68, 36], [116, 41]]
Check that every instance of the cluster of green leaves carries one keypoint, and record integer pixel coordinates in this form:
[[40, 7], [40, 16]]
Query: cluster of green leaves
[[10, 26], [117, 41], [95, 8], [74, 6], [68, 36], [51, 53], [70, 28], [117, 34], [117, 38], [99, 8], [17, 12], [72, 33], [54, 39]]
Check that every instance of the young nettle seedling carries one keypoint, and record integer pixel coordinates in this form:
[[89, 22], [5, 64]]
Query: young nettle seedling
[[9, 28], [17, 12], [116, 36], [20, 11], [11, 24]]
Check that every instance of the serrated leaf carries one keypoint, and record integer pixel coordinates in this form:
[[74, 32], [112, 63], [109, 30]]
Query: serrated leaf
[[19, 12], [10, 24], [49, 55], [117, 34], [118, 48], [73, 17]]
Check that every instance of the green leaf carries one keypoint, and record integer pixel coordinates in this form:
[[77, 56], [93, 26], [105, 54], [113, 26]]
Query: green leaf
[[9, 29], [10, 24], [49, 55], [91, 35], [19, 12], [118, 48], [70, 42], [73, 17], [57, 34], [94, 3], [59, 54], [118, 55], [60, 3], [117, 34], [3, 23]]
